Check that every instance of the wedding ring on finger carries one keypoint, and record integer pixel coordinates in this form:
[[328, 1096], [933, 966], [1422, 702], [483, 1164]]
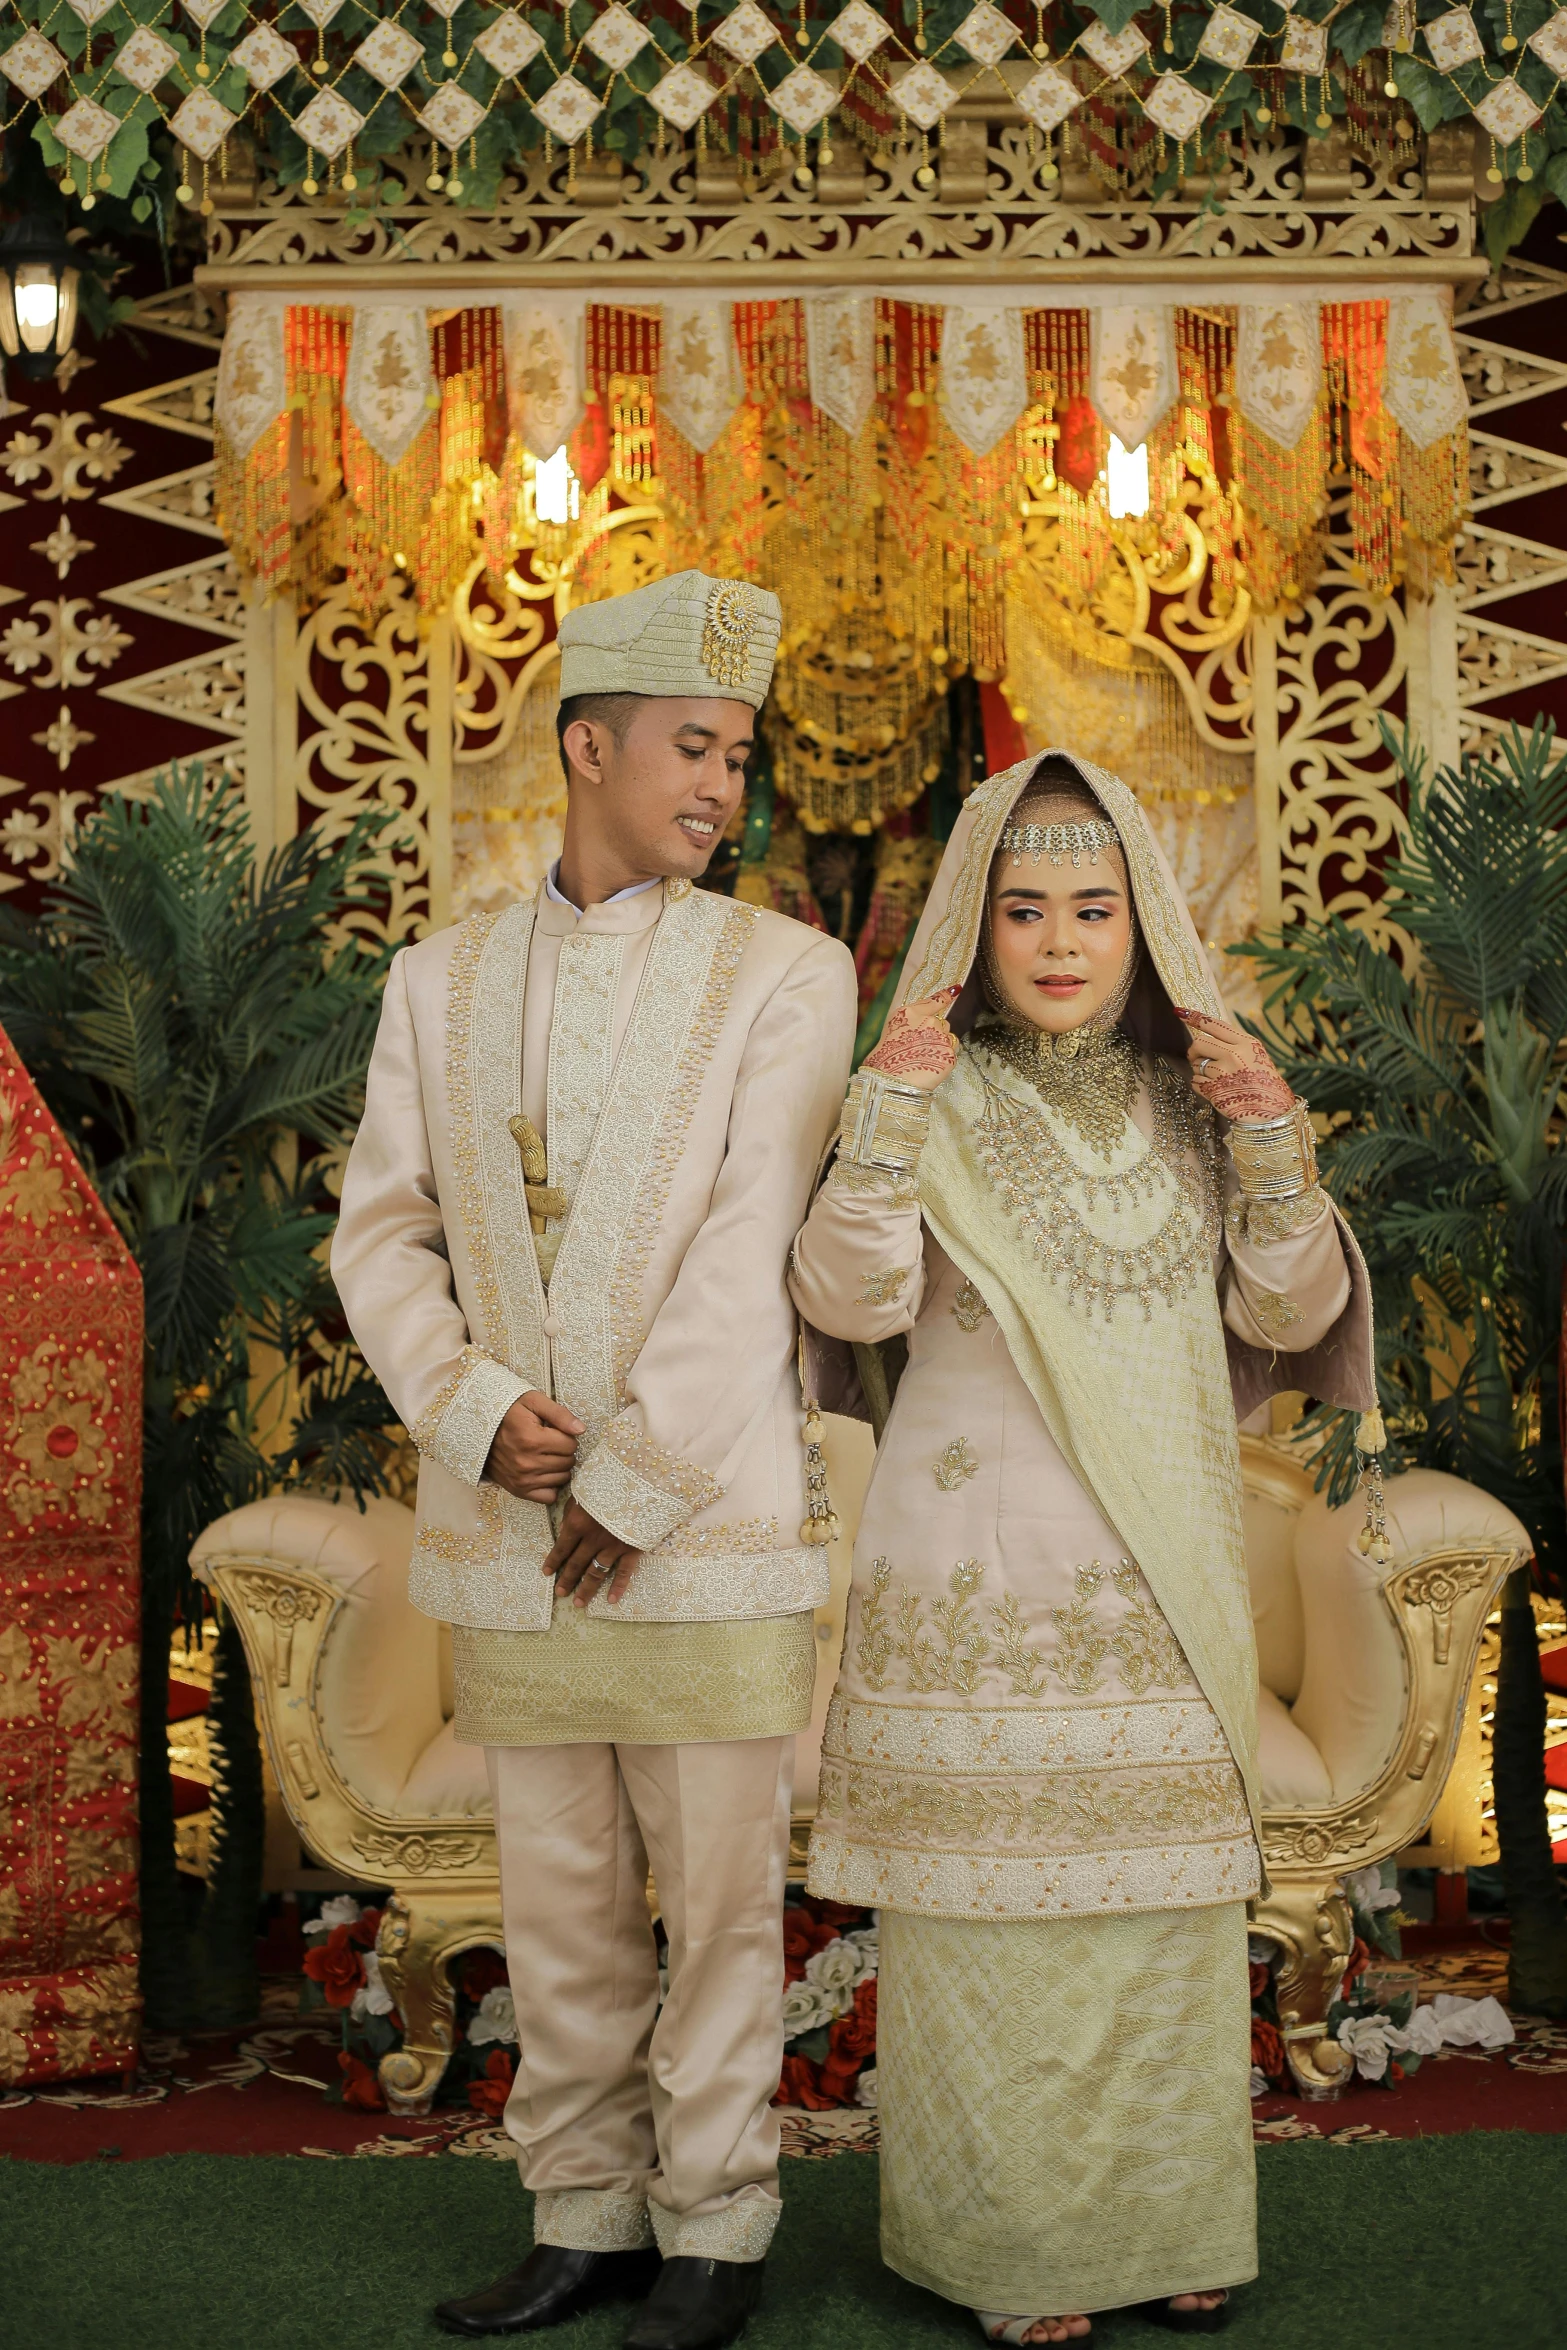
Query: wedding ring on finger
[[1204, 1064], [601, 1568]]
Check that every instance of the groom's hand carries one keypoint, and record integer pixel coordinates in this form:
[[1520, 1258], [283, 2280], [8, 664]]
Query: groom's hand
[[587, 1554], [534, 1448]]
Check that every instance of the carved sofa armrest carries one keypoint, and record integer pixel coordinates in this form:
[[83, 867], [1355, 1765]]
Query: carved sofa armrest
[[1389, 1655], [347, 1678], [1390, 1649]]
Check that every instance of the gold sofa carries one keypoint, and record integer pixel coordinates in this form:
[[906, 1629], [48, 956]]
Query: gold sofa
[[1364, 1672]]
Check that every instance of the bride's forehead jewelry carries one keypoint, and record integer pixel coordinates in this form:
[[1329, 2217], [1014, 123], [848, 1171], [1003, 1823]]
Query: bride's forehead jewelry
[[1060, 841]]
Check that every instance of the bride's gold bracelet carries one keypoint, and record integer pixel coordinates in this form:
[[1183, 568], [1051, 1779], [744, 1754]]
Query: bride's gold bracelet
[[884, 1123], [1275, 1162]]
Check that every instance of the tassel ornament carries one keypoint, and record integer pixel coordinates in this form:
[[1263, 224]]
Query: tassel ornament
[[1371, 1442]]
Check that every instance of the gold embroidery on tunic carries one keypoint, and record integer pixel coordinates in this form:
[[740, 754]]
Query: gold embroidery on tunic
[[1065, 1811], [1264, 1221], [1083, 1643], [1024, 1666], [1274, 1311], [896, 1191], [968, 1307], [956, 1463], [884, 1288], [873, 1645], [1147, 1652], [950, 1654]]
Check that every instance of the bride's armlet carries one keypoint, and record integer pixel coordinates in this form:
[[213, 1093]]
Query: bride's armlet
[[857, 1268], [1287, 1280]]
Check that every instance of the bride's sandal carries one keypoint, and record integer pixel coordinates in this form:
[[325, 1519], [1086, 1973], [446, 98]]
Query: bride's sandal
[[1186, 2321], [998, 2327]]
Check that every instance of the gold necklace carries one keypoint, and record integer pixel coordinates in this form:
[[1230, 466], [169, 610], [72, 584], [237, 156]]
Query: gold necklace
[[1036, 1178], [1089, 1076]]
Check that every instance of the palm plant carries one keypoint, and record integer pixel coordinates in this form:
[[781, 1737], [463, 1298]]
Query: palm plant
[[198, 1026], [1440, 1079]]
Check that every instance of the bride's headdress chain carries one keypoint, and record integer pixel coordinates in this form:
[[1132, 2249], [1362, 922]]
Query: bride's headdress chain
[[1060, 841]]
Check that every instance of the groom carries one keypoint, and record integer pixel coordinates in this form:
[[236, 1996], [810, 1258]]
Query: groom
[[589, 1136]]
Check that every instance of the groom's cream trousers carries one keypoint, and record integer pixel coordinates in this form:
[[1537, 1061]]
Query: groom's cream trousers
[[636, 2123]]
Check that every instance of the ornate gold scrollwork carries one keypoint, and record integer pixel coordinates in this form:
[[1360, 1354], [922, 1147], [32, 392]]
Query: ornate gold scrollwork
[[1331, 1842], [287, 1604], [1438, 1584], [421, 1853]]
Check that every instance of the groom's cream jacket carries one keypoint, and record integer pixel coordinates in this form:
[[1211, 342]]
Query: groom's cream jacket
[[685, 1058]]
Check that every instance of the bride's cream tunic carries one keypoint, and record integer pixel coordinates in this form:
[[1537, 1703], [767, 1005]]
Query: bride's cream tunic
[[1016, 1731]]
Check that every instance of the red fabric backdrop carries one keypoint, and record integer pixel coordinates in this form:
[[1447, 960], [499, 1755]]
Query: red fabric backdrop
[[70, 1489]]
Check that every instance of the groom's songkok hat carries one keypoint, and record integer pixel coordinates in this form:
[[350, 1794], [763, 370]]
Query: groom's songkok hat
[[688, 637]]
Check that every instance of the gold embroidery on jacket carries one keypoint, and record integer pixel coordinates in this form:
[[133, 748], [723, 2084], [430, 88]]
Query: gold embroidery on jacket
[[873, 1645], [734, 1534], [884, 1288], [957, 1462], [655, 1465], [734, 936], [951, 1653]]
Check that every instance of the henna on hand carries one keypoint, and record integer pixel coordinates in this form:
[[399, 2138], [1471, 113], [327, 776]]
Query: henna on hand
[[1233, 1071], [916, 1044]]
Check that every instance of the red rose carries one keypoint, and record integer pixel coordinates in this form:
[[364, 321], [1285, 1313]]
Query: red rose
[[797, 2085], [1395, 2071], [1261, 1974], [490, 2095], [851, 2044], [337, 1966], [365, 1928], [1359, 1960], [361, 2089], [1267, 2051], [803, 1935], [842, 1916]]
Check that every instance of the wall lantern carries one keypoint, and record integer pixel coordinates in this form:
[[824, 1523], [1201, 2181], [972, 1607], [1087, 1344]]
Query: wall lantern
[[38, 279]]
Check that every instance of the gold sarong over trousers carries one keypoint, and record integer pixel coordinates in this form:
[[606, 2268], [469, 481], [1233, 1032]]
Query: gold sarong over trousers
[[1065, 2114]]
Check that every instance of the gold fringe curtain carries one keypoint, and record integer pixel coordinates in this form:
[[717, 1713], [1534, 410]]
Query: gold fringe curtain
[[894, 536]]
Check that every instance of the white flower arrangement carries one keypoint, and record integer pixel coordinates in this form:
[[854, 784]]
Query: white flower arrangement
[[341, 1910], [834, 1970], [806, 2007], [1447, 2022], [496, 2018], [865, 2089], [832, 1975], [372, 1997], [1366, 1890]]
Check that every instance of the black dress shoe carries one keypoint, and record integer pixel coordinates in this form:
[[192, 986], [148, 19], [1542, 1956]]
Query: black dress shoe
[[552, 2284], [697, 2305]]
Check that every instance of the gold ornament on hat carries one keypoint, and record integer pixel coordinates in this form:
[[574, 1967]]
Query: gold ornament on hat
[[734, 610]]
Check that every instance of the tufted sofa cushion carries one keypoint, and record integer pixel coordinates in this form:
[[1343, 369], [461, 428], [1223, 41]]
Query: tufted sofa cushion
[[380, 1698]]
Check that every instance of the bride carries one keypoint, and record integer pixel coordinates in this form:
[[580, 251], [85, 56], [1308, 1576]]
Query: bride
[[1087, 1205]]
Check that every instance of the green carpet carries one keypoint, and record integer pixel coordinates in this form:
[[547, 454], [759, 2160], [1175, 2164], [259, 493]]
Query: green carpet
[[1439, 2243]]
